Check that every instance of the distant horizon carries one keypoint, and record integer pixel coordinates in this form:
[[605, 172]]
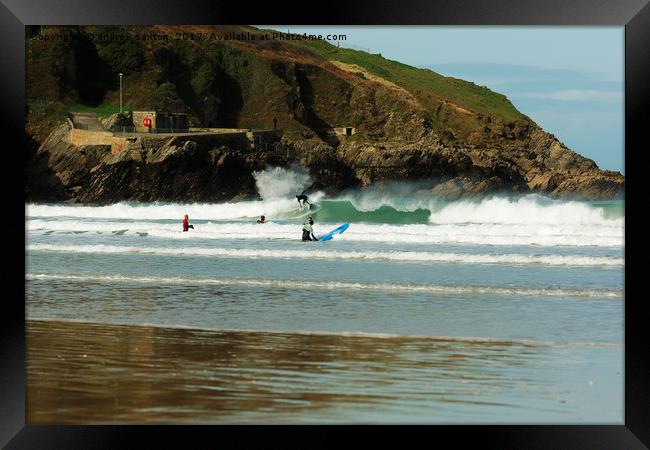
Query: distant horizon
[[569, 80]]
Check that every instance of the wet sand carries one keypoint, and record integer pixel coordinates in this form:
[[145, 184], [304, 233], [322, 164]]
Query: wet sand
[[91, 373]]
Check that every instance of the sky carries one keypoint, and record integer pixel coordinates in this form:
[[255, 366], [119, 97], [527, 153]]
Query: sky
[[569, 80]]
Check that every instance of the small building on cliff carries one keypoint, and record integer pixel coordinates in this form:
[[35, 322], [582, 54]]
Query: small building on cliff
[[345, 131], [158, 121]]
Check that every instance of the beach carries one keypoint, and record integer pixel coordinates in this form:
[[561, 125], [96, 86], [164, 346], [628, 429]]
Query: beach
[[94, 373], [494, 310]]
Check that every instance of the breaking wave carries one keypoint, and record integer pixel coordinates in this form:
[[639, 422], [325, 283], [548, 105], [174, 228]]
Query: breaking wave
[[398, 212]]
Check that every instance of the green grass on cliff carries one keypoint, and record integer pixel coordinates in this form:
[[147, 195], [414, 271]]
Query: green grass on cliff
[[103, 110], [422, 83]]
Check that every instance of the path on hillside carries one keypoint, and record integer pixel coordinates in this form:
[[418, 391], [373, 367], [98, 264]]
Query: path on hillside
[[86, 121]]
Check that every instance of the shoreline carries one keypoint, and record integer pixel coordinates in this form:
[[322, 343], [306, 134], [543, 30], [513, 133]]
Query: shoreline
[[341, 334], [99, 373]]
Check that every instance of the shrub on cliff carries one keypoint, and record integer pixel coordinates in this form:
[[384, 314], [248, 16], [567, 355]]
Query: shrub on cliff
[[166, 98], [120, 55]]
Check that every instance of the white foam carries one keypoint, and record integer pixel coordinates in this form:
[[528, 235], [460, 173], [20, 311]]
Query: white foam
[[481, 234], [331, 285], [530, 209], [169, 211], [525, 220], [315, 253], [278, 188]]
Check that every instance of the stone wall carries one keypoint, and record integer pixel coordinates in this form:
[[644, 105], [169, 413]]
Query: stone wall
[[118, 144], [85, 137], [80, 138]]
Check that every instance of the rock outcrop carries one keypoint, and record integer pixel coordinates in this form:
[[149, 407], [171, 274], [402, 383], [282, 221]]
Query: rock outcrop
[[117, 122], [190, 169], [171, 170], [545, 166]]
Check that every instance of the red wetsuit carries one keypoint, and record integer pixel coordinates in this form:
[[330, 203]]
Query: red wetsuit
[[186, 225]]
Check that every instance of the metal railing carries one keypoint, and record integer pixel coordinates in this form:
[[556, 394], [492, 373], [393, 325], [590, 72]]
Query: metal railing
[[279, 149], [169, 130], [123, 129]]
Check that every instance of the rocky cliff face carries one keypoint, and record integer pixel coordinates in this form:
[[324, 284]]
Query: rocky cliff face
[[190, 170], [545, 166], [172, 170]]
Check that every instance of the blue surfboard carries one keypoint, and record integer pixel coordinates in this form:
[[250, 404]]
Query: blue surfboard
[[338, 230]]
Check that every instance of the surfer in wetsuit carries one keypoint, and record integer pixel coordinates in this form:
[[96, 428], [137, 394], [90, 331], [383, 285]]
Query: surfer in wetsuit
[[186, 223], [302, 200], [308, 230], [262, 219]]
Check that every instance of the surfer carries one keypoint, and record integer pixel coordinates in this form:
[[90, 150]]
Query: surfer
[[308, 230], [302, 200], [186, 223], [262, 219]]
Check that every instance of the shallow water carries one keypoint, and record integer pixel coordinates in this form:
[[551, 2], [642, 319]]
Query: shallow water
[[97, 373]]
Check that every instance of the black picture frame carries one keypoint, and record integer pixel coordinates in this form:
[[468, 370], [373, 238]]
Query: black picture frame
[[15, 14]]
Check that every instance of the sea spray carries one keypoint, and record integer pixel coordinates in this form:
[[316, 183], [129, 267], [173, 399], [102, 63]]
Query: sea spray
[[282, 183]]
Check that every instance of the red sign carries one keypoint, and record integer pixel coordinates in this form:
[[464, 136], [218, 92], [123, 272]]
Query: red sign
[[147, 121]]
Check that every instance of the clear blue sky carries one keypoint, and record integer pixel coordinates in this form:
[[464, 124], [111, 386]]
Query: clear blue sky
[[567, 79]]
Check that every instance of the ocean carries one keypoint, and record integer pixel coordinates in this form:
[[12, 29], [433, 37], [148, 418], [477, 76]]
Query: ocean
[[505, 309]]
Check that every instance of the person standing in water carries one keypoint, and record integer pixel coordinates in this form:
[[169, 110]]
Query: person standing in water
[[262, 219], [308, 230], [186, 223]]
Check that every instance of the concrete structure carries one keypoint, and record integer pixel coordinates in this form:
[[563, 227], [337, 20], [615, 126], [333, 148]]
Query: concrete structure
[[160, 121], [345, 131], [120, 142], [241, 138], [86, 137], [79, 138]]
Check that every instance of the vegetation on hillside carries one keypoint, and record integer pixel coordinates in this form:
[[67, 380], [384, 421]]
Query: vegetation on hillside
[[309, 86], [428, 84]]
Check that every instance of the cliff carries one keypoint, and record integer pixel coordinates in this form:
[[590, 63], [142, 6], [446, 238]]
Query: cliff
[[411, 124]]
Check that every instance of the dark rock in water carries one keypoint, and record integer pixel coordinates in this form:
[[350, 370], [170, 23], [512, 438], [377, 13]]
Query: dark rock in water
[[462, 187]]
